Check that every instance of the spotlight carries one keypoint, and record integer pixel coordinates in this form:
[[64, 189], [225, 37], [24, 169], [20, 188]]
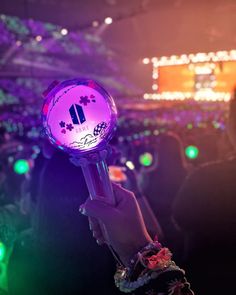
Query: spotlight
[[130, 165], [21, 166], [108, 20], [95, 23], [146, 60], [64, 32], [191, 152], [38, 38], [18, 43], [146, 159]]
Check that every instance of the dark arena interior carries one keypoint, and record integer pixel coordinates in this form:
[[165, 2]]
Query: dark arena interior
[[117, 147]]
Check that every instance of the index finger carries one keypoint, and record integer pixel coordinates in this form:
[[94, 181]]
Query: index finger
[[121, 194]]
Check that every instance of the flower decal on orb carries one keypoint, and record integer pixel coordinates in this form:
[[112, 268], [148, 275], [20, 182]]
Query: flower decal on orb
[[93, 98], [84, 100], [69, 127], [65, 126], [62, 124]]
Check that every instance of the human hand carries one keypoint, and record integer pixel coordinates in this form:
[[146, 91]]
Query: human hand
[[151, 222], [133, 183], [124, 223]]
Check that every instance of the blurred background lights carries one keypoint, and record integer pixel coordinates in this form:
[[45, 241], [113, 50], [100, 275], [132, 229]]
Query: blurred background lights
[[191, 152], [38, 38], [2, 251], [146, 159], [117, 174], [146, 60], [123, 160], [108, 20], [130, 165], [95, 23], [203, 65], [64, 31], [21, 166], [18, 43], [154, 87]]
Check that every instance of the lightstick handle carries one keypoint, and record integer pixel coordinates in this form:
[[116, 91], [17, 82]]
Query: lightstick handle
[[98, 182]]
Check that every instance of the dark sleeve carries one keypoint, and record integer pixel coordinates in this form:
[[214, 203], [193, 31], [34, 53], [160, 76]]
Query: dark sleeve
[[193, 201], [171, 282]]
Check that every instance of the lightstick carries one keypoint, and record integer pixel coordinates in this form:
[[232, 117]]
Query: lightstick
[[191, 152], [146, 159], [79, 117], [2, 251], [21, 166]]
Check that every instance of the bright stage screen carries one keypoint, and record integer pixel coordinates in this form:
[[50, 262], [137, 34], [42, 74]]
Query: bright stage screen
[[218, 76]]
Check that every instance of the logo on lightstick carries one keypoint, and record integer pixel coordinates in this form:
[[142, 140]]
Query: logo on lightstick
[[77, 114]]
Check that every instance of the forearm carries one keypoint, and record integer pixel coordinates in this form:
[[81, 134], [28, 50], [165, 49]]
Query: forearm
[[150, 219]]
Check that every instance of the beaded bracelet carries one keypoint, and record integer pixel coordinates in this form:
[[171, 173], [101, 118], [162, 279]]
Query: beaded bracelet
[[147, 265]]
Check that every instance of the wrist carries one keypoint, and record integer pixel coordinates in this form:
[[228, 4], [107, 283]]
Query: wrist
[[133, 249], [146, 272]]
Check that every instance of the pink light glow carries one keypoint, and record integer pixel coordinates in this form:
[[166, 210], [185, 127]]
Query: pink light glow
[[80, 117]]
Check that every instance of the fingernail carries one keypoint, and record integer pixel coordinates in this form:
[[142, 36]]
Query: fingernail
[[82, 209], [100, 242]]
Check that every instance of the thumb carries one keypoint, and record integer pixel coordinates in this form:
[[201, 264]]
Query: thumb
[[97, 209]]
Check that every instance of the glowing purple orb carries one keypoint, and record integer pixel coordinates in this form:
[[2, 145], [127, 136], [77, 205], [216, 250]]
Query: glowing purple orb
[[79, 116]]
